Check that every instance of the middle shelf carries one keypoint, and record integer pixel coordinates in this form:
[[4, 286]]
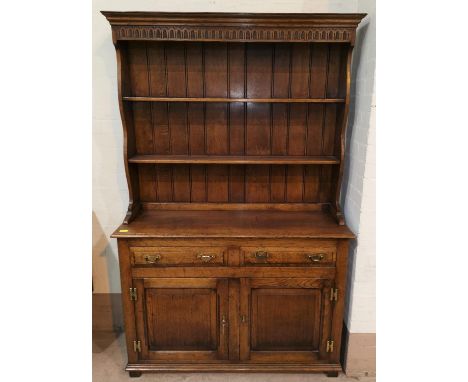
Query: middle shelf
[[223, 99], [232, 159]]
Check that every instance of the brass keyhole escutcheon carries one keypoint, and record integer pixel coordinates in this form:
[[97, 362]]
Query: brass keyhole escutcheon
[[261, 255], [152, 258]]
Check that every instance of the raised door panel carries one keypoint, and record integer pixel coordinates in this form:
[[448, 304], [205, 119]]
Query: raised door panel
[[293, 327], [182, 319], [284, 320]]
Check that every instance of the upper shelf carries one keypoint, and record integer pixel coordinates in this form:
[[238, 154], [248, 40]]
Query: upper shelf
[[231, 159], [220, 99]]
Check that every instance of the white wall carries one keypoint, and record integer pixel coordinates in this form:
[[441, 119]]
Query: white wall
[[359, 182], [110, 196]]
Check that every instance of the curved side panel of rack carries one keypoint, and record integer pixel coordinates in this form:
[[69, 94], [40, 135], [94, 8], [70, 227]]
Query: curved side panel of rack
[[128, 135], [336, 206]]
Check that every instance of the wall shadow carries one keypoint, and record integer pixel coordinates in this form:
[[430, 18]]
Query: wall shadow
[[107, 315]]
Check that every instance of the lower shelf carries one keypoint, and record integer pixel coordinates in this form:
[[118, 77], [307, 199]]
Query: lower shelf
[[233, 159]]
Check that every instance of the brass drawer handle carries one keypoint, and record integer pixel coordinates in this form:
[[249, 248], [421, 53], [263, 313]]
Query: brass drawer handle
[[205, 258], [316, 257], [261, 255], [152, 258]]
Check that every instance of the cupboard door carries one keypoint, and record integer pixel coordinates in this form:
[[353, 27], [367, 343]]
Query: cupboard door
[[182, 319], [284, 320]]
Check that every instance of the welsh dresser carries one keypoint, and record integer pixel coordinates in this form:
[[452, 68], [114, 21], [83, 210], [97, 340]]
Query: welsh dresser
[[233, 252]]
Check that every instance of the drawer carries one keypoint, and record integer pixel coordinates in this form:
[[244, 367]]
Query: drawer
[[284, 256], [178, 256]]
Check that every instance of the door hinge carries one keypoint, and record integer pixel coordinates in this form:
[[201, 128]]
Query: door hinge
[[334, 294], [330, 344], [137, 346], [133, 294]]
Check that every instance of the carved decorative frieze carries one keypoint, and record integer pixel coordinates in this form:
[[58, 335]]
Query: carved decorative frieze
[[202, 33]]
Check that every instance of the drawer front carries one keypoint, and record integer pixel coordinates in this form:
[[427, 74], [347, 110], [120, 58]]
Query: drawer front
[[178, 256], [284, 256]]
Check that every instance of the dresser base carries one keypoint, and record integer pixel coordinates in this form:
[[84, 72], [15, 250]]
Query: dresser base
[[135, 369]]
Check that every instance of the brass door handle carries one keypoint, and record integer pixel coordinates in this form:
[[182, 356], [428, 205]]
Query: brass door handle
[[316, 257], [205, 258], [261, 255], [224, 324], [243, 318], [152, 258]]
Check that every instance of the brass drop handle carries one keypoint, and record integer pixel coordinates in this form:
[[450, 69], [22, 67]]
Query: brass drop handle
[[152, 258], [316, 257], [205, 258], [261, 255], [243, 318]]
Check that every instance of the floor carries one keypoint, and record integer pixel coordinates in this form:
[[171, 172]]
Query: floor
[[109, 359]]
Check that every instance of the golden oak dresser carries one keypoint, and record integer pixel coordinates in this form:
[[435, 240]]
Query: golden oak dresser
[[233, 252]]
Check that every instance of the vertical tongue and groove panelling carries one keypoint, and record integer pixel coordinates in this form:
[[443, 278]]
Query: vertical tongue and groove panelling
[[236, 70]]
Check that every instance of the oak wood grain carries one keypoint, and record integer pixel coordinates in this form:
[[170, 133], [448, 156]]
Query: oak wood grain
[[273, 224]]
